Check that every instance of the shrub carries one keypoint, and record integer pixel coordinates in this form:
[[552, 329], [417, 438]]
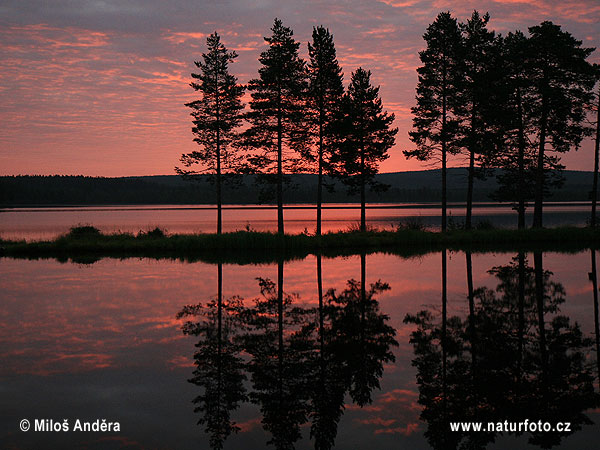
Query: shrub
[[155, 233], [83, 231]]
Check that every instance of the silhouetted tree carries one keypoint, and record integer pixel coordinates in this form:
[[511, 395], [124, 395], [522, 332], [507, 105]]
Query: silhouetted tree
[[552, 377], [277, 122], [329, 380], [596, 151], [326, 90], [363, 338], [515, 155], [472, 326], [543, 370], [442, 369], [365, 136], [564, 388], [216, 117], [593, 275], [219, 368], [435, 126], [279, 345], [561, 83], [517, 122], [479, 52]]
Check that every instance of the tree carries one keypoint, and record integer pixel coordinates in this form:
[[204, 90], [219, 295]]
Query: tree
[[277, 127], [515, 124], [479, 55], [278, 347], [216, 116], [544, 368], [596, 151], [365, 135], [561, 85], [515, 153], [435, 127], [362, 337], [329, 387], [219, 368], [326, 90]]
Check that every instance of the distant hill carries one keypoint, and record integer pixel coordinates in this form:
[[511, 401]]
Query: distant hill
[[417, 186]]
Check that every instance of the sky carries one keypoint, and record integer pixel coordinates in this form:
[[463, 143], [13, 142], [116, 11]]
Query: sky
[[90, 87]]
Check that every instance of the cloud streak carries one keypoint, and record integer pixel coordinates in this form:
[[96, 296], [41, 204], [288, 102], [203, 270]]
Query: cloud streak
[[99, 89]]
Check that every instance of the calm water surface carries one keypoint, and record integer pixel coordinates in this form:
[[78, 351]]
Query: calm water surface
[[387, 367], [47, 223]]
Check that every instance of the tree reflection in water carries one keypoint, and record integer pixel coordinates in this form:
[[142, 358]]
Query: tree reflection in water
[[301, 361], [278, 344], [514, 358], [219, 368]]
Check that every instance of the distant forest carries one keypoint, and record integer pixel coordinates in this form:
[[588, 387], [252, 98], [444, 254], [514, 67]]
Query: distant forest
[[418, 186]]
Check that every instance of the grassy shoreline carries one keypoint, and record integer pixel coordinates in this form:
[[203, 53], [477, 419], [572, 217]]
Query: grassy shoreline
[[250, 246]]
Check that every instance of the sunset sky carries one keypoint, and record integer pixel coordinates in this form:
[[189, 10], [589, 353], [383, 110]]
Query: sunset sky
[[98, 87]]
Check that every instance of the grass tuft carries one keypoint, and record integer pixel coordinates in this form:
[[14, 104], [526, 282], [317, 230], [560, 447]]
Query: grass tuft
[[412, 223], [156, 233]]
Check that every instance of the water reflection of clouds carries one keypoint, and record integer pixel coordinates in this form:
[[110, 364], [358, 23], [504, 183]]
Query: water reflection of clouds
[[115, 320], [114, 306]]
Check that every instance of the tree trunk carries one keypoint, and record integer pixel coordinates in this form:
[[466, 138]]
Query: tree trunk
[[470, 181], [596, 158], [219, 200], [321, 319], [521, 163], [363, 291], [220, 332], [471, 296], [320, 177], [280, 229], [444, 149], [363, 214], [280, 328], [540, 300], [444, 315], [444, 226], [218, 155], [471, 173], [521, 315], [594, 277], [539, 179], [443, 337]]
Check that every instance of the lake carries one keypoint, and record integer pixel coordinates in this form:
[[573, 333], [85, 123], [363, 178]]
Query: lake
[[47, 223], [364, 351]]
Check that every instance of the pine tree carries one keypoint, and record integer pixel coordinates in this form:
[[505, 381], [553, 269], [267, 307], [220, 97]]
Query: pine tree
[[516, 154], [364, 135], [596, 150], [562, 81], [219, 371], [515, 122], [277, 126], [435, 126], [216, 117], [326, 90], [476, 109], [278, 346]]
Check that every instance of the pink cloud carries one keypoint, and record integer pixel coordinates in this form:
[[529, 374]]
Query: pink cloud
[[98, 100]]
